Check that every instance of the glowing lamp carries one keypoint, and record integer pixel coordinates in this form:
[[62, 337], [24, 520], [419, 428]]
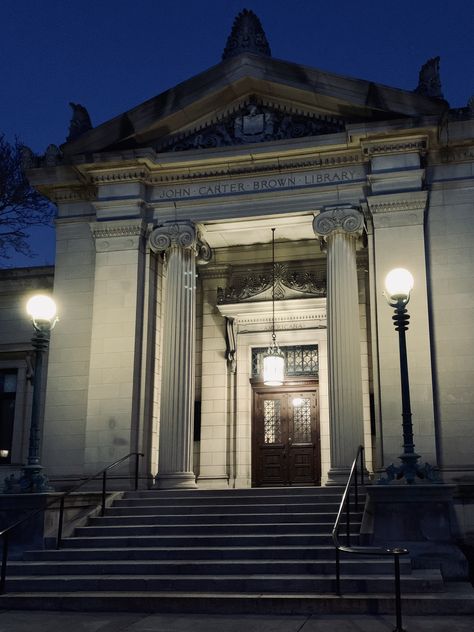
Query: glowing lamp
[[41, 308], [399, 283], [273, 367]]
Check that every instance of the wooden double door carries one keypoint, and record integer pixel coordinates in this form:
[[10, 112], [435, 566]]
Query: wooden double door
[[285, 436]]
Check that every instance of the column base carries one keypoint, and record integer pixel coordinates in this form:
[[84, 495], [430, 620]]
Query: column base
[[338, 476], [175, 480]]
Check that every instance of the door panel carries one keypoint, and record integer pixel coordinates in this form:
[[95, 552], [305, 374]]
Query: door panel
[[285, 437]]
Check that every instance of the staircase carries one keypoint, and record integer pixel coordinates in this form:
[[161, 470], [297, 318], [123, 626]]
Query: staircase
[[233, 551]]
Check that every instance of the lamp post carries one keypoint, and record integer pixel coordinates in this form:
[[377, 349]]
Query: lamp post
[[42, 310], [398, 285]]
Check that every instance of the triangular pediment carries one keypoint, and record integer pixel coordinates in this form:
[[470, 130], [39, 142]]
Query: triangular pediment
[[251, 120], [248, 99]]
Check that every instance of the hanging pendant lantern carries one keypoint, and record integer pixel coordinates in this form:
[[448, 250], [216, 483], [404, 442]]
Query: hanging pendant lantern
[[274, 359]]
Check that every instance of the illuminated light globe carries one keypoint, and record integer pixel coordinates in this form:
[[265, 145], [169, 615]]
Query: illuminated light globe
[[399, 283], [273, 367], [41, 307], [297, 402]]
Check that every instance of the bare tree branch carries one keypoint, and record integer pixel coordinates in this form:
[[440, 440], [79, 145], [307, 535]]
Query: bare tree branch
[[21, 206]]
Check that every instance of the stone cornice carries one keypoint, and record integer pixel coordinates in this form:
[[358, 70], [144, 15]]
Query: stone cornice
[[61, 195], [19, 280], [401, 145], [168, 174], [136, 173]]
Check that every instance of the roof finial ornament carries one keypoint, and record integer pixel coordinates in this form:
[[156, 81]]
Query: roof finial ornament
[[429, 82], [247, 36]]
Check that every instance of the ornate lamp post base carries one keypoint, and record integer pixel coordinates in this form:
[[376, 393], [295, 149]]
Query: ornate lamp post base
[[409, 470], [31, 481]]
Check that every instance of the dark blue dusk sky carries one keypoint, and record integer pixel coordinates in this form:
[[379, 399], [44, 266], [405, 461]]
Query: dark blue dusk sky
[[111, 55]]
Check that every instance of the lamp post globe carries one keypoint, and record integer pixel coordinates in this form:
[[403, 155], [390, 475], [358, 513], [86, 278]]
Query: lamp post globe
[[399, 283], [41, 308]]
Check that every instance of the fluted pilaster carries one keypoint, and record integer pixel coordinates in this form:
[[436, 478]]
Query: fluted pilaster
[[341, 227], [181, 245]]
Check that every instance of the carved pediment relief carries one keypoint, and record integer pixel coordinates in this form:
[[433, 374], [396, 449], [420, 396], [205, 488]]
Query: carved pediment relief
[[253, 122], [290, 282]]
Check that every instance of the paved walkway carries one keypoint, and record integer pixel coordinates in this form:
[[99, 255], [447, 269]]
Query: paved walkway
[[20, 621]]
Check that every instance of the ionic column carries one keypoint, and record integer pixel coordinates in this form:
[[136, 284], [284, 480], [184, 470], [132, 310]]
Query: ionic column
[[341, 226], [180, 244]]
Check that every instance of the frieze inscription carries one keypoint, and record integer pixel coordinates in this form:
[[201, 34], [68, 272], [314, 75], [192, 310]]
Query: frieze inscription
[[261, 184]]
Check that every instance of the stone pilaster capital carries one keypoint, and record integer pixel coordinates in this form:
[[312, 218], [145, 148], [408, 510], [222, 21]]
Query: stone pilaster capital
[[118, 235], [182, 234], [343, 218]]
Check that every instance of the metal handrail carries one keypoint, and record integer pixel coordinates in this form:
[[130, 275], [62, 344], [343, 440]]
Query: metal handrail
[[5, 533], [363, 550]]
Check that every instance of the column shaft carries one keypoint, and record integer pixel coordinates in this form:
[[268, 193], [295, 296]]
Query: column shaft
[[177, 399], [341, 226], [181, 245], [345, 379]]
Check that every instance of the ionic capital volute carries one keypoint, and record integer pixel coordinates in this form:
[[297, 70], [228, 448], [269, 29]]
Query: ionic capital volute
[[183, 234], [343, 219]]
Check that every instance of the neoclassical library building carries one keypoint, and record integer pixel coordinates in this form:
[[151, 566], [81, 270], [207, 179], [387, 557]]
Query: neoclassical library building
[[251, 214]]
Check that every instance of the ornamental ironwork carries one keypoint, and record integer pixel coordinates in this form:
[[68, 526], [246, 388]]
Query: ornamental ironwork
[[252, 285], [271, 421], [300, 361], [302, 421]]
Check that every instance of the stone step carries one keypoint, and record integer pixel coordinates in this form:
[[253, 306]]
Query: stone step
[[318, 501], [191, 540], [321, 521], [458, 599], [211, 528], [194, 553], [420, 582], [199, 508], [292, 492], [203, 567]]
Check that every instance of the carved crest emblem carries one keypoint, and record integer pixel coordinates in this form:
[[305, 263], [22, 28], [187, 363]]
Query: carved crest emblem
[[253, 126]]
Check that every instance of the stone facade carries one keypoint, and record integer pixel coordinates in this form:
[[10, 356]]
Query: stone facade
[[163, 272]]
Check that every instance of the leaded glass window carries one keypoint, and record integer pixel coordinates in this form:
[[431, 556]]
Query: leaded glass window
[[300, 360], [271, 421], [302, 420]]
